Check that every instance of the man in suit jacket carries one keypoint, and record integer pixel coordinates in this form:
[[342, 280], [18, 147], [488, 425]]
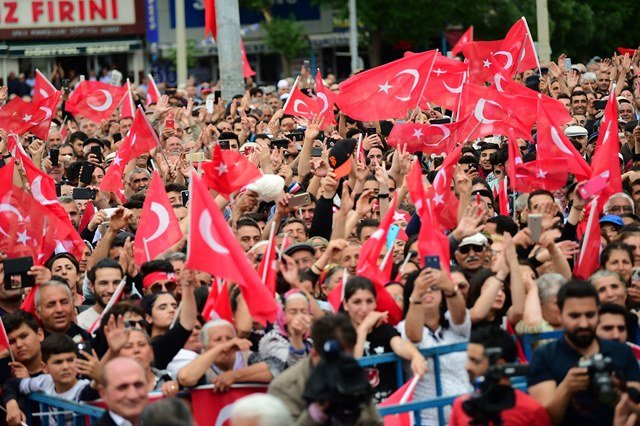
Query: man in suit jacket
[[124, 391]]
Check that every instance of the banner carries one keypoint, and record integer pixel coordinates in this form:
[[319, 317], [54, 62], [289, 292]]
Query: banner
[[214, 409]]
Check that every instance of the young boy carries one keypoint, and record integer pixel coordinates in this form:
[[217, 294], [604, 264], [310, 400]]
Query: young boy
[[62, 366]]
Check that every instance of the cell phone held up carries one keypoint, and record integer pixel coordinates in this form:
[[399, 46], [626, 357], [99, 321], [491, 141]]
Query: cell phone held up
[[87, 172], [15, 273], [83, 194], [54, 155], [299, 200], [592, 187], [534, 223], [280, 143], [432, 262], [97, 151]]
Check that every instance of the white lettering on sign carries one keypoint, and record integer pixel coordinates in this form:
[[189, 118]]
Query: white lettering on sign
[[16, 14]]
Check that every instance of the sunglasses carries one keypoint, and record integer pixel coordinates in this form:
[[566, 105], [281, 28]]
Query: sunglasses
[[135, 324], [160, 287], [482, 193], [466, 249]]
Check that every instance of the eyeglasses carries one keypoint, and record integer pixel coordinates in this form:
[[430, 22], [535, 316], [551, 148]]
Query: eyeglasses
[[135, 324], [467, 248], [625, 209], [159, 287]]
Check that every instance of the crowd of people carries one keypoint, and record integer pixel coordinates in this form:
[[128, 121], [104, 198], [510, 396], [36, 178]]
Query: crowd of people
[[507, 275]]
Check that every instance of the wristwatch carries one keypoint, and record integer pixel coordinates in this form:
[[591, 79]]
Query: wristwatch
[[454, 293], [414, 301]]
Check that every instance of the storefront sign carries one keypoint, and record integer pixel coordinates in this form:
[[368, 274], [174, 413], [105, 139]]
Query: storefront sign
[[38, 19]]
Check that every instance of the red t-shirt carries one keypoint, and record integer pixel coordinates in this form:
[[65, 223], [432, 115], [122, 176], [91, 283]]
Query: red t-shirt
[[527, 411]]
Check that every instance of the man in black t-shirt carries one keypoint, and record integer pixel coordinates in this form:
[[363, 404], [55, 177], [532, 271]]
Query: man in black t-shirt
[[557, 382]]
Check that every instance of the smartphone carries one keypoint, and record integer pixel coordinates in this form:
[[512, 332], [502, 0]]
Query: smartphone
[[321, 136], [567, 64], [87, 172], [58, 189], [534, 223], [217, 95], [224, 144], [83, 194], [299, 200], [210, 105], [296, 135], [592, 187], [54, 154], [600, 104], [169, 122], [65, 84], [110, 211], [445, 120], [544, 70], [15, 273], [195, 157], [97, 151], [184, 195], [432, 262], [369, 131], [316, 152], [117, 137], [280, 143]]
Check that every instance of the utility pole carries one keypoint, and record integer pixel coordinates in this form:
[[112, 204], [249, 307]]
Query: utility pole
[[542, 15], [353, 35], [181, 43], [228, 42]]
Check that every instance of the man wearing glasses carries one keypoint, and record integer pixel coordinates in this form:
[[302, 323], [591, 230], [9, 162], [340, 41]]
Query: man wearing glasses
[[158, 277], [471, 253], [618, 204]]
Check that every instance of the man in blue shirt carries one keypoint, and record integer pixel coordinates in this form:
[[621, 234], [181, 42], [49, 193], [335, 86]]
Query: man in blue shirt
[[557, 382]]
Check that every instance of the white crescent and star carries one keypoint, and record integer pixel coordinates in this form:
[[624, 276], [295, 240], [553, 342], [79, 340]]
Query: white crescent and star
[[296, 107], [325, 102], [163, 220], [204, 225], [9, 208], [497, 78], [36, 191], [506, 55], [416, 76], [479, 111], [557, 140], [453, 89], [107, 103]]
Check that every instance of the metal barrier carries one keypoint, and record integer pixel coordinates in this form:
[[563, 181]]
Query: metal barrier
[[528, 340], [82, 414]]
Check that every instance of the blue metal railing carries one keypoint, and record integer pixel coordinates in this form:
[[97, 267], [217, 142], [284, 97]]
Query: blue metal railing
[[529, 340], [82, 414]]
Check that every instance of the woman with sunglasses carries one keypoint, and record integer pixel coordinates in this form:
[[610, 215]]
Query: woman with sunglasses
[[376, 337], [435, 315]]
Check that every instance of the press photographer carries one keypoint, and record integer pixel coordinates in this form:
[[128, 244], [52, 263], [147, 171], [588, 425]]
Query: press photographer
[[490, 356], [572, 376]]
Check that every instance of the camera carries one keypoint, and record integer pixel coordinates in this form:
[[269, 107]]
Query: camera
[[599, 369], [490, 397]]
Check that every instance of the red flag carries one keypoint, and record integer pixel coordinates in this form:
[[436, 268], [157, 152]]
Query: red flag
[[268, 268], [95, 100], [140, 140], [20, 117], [550, 174], [29, 302], [635, 349], [467, 37], [229, 171], [588, 260], [43, 87], [387, 91], [515, 158], [552, 143], [153, 94], [300, 105], [127, 107], [431, 240], [160, 230], [400, 397], [480, 59], [626, 50], [213, 248], [210, 26], [503, 197], [444, 202], [247, 71], [336, 295], [445, 83], [605, 161], [87, 215], [519, 42], [214, 408], [4, 339], [326, 100], [427, 138], [218, 305]]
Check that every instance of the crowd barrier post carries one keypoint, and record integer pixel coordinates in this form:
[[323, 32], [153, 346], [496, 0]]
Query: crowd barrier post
[[83, 414]]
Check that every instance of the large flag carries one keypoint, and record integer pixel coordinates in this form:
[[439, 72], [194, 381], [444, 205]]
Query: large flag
[[141, 139], [229, 171], [444, 203], [213, 248], [153, 94], [399, 397], [445, 84], [218, 305], [467, 37], [588, 260], [606, 161], [210, 26], [160, 230], [20, 117], [427, 138], [549, 174], [326, 100], [95, 100], [387, 91], [300, 105], [127, 107], [268, 268], [43, 87]]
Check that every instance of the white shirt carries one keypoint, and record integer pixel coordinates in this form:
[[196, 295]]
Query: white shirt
[[119, 420], [44, 383], [86, 318], [182, 358], [453, 377]]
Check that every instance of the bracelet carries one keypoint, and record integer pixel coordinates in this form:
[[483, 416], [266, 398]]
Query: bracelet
[[499, 279]]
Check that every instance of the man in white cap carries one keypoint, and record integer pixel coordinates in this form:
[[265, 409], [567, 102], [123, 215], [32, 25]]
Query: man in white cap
[[471, 253], [578, 136]]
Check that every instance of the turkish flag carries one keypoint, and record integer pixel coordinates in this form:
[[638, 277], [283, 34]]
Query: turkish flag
[[416, 187], [550, 174], [141, 139], [326, 100], [229, 171], [515, 158], [214, 408], [247, 71], [431, 240], [387, 91], [336, 295], [606, 160], [268, 268], [400, 397], [479, 56], [519, 43], [626, 50], [552, 143], [503, 197], [95, 100], [127, 107], [210, 26], [444, 203], [467, 37], [588, 260], [43, 87], [213, 248], [427, 138], [218, 305], [153, 94], [20, 117], [4, 339], [300, 105], [445, 83], [87, 215], [160, 230]]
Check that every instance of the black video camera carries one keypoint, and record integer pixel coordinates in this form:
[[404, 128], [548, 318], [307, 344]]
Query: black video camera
[[600, 368]]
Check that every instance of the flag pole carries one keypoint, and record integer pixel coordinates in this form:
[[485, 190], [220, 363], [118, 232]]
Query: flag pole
[[385, 260], [112, 301], [406, 261], [272, 232]]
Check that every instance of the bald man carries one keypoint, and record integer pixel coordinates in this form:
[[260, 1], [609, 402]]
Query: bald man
[[124, 391]]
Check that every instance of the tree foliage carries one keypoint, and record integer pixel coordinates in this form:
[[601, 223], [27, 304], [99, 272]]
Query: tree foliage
[[284, 36]]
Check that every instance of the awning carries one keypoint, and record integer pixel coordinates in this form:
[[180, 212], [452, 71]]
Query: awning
[[44, 50]]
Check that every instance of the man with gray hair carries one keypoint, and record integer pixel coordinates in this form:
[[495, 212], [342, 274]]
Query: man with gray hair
[[54, 309], [541, 312], [137, 180], [260, 409], [618, 204], [72, 209]]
